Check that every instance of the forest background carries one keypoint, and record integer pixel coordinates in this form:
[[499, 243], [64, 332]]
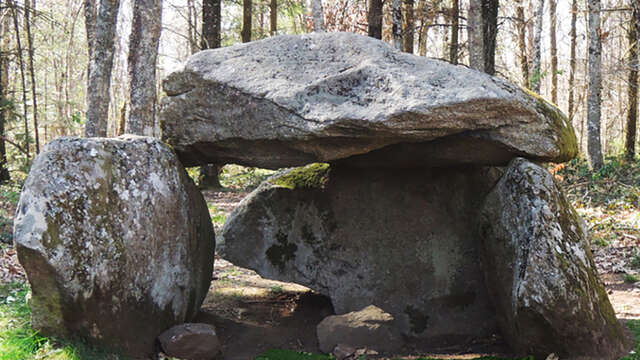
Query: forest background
[[541, 45]]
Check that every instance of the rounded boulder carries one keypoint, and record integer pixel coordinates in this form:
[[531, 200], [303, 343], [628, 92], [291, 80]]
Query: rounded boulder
[[116, 241]]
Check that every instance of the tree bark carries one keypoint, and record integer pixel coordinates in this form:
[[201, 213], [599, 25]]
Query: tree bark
[[554, 50], [572, 59], [482, 27], [594, 144], [192, 34], [211, 23], [536, 77], [318, 15], [90, 15], [4, 170], [143, 54], [375, 19], [30, 51], [409, 26], [522, 43], [455, 24], [100, 67], [396, 27], [273, 13], [632, 116], [22, 77], [247, 8]]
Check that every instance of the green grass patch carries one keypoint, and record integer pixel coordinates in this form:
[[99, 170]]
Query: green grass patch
[[218, 217], [18, 341], [630, 279], [634, 326]]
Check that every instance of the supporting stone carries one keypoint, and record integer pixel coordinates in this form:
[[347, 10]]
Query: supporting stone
[[401, 240], [540, 271], [116, 241]]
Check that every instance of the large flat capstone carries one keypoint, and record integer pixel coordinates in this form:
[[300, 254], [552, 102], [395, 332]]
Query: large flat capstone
[[293, 100], [115, 239]]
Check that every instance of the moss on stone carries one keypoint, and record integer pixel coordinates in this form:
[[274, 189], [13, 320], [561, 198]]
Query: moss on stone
[[307, 177], [567, 141]]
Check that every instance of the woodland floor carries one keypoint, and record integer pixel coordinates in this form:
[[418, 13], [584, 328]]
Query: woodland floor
[[253, 315]]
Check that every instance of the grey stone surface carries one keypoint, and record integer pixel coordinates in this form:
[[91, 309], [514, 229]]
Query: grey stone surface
[[400, 239], [540, 271], [115, 239], [370, 328], [293, 100], [191, 341]]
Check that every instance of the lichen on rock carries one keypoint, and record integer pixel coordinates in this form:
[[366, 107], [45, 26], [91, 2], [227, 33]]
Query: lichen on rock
[[540, 272], [116, 241]]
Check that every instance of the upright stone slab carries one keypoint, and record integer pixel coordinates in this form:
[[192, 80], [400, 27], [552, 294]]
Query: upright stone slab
[[399, 240], [116, 241], [540, 271], [296, 99]]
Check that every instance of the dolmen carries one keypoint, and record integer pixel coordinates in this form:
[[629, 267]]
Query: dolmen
[[411, 185], [420, 193]]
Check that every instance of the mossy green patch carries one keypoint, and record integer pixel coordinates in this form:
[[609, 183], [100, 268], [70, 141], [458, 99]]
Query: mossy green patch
[[308, 177], [567, 141]]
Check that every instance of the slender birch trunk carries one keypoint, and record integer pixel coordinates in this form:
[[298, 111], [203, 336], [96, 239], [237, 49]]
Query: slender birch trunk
[[594, 144], [100, 67], [143, 54]]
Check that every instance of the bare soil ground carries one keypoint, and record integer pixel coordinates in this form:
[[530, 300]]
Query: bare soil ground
[[253, 314]]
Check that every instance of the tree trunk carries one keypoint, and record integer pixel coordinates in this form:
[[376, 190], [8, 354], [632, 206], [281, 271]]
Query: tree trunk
[[375, 19], [317, 13], [522, 43], [192, 35], [211, 22], [396, 27], [143, 54], [409, 26], [22, 78], [554, 51], [536, 77], [209, 177], [482, 27], [245, 33], [100, 67], [4, 171], [90, 15], [455, 24], [273, 13], [572, 60], [30, 51], [594, 145], [632, 116]]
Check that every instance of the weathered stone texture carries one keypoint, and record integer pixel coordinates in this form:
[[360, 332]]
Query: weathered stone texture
[[400, 240], [540, 271], [191, 341], [116, 241], [370, 328], [292, 100]]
